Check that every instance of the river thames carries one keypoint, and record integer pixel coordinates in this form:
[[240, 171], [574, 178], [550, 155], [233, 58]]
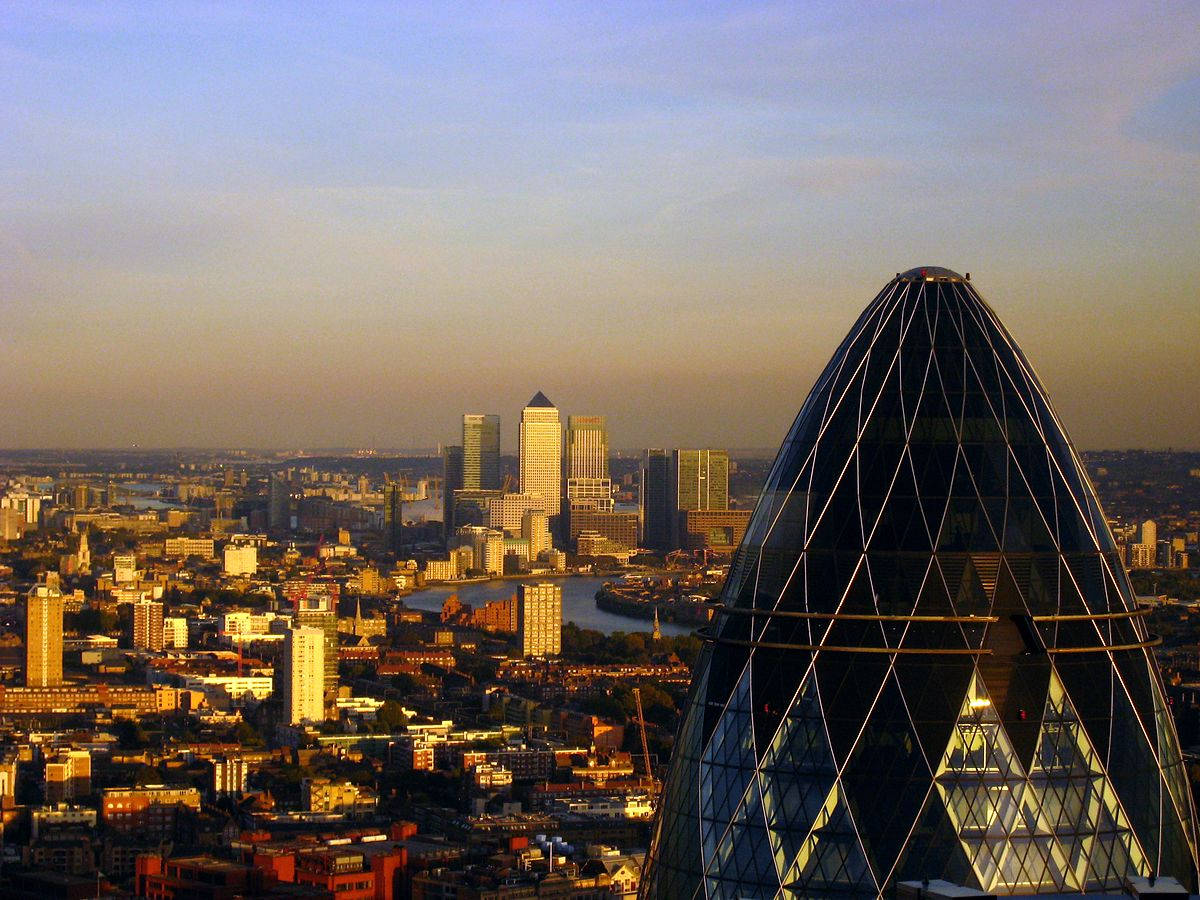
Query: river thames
[[579, 603]]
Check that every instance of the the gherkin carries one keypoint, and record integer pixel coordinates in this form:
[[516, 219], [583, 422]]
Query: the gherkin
[[929, 662]]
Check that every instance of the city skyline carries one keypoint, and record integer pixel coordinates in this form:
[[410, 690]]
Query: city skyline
[[214, 213]]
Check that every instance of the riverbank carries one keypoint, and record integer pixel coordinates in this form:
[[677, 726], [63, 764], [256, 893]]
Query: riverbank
[[579, 603], [678, 610]]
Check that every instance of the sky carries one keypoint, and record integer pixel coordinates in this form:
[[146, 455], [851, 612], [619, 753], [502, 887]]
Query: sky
[[315, 225]]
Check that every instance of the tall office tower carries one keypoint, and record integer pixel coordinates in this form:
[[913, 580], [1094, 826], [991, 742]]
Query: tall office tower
[[927, 663], [541, 453], [318, 608], [1148, 533], [1149, 538], [654, 501], [44, 636], [587, 447], [539, 619], [393, 515], [303, 665], [452, 480], [147, 625], [699, 481], [481, 452], [279, 502], [535, 528]]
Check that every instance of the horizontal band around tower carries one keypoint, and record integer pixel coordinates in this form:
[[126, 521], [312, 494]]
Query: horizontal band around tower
[[849, 617], [706, 635], [1153, 641], [1090, 617]]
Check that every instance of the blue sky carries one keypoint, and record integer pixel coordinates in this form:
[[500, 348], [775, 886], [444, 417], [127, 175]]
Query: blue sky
[[302, 225]]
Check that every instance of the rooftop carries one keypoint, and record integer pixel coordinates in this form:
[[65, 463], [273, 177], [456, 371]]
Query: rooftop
[[931, 273]]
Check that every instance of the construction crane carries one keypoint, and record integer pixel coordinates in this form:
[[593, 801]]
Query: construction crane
[[641, 722]]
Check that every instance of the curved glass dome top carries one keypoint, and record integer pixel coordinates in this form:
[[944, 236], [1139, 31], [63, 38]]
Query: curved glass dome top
[[928, 662], [930, 273]]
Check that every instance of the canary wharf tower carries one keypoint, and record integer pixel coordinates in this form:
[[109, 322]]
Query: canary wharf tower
[[928, 663]]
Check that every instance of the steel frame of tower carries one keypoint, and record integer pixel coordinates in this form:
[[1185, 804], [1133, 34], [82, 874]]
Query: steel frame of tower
[[929, 662]]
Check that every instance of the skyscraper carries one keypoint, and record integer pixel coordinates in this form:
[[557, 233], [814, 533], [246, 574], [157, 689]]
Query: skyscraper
[[480, 452], [302, 682], [316, 606], [539, 619], [654, 501], [452, 480], [393, 515], [928, 663], [587, 447], [699, 481], [44, 636], [541, 452]]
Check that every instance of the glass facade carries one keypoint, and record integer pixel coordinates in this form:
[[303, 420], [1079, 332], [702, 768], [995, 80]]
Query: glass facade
[[929, 662]]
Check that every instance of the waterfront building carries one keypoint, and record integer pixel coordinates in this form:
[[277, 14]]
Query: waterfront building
[[584, 497], [302, 681], [480, 452], [539, 618], [654, 502], [719, 530], [535, 528], [541, 453], [44, 636], [487, 547], [506, 512], [619, 527], [928, 663]]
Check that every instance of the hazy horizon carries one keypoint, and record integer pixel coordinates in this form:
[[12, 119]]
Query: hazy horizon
[[239, 225]]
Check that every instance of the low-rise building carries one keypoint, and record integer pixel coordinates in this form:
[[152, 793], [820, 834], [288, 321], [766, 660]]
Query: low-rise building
[[323, 795], [151, 810]]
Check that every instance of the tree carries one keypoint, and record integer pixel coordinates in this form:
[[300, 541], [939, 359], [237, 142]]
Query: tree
[[391, 715]]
